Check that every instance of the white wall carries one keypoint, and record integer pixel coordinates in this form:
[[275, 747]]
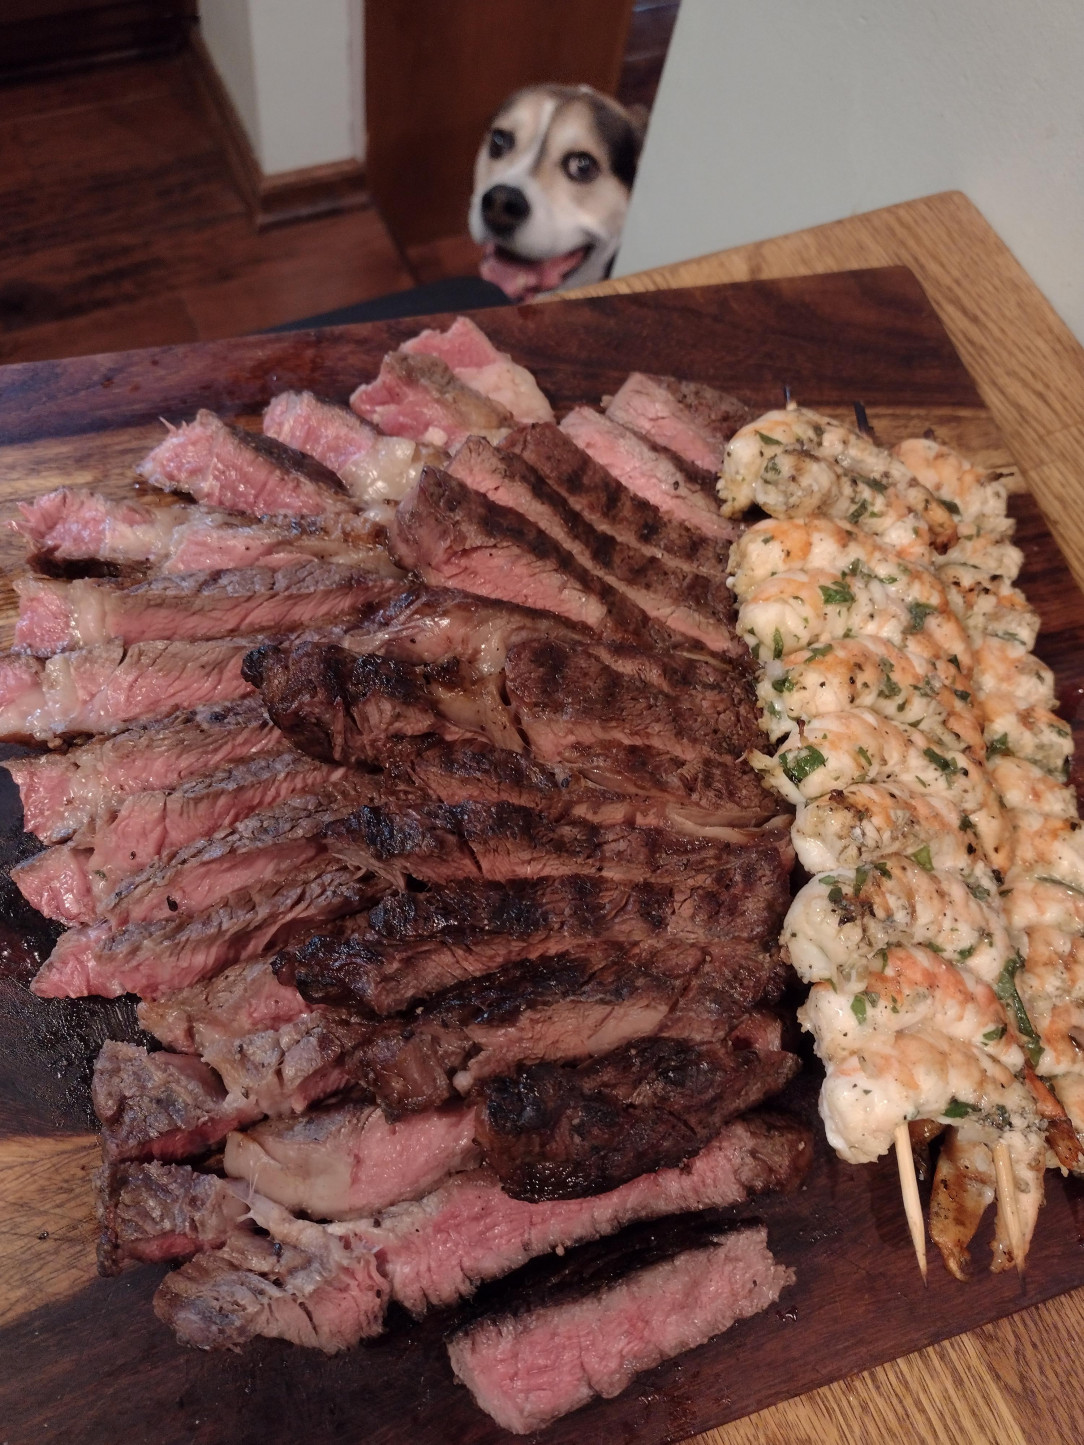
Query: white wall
[[295, 71], [774, 115]]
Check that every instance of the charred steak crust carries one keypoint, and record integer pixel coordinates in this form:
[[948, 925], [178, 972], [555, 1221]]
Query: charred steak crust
[[555, 1132]]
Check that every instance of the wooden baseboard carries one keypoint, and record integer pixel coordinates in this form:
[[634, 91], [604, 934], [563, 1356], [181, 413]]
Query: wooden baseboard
[[273, 200]]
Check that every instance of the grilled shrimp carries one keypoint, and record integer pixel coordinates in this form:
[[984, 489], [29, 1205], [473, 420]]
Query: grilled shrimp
[[973, 495], [964, 1186], [981, 556], [1055, 964], [1022, 785], [846, 748], [1003, 666], [994, 609], [1070, 1091], [793, 610], [838, 920], [917, 1074], [915, 987], [1031, 902], [1033, 733], [797, 544], [872, 673], [795, 462], [1060, 1025], [1048, 847], [856, 825]]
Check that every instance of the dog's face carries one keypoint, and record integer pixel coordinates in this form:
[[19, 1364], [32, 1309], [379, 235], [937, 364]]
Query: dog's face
[[551, 188]]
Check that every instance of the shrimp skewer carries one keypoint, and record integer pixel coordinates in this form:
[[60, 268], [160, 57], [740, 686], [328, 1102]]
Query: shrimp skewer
[[855, 825], [976, 497], [789, 544]]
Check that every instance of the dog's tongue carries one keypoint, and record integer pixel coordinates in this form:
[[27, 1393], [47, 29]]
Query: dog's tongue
[[520, 280]]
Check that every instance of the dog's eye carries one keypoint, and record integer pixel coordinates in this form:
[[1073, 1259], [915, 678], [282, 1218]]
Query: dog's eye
[[580, 166], [500, 143]]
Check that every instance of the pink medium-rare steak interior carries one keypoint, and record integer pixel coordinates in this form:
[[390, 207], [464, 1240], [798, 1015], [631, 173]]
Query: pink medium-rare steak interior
[[72, 523], [419, 396], [687, 417], [61, 616], [478, 363], [339, 1161], [153, 1212], [674, 486], [527, 1370], [65, 793], [225, 466]]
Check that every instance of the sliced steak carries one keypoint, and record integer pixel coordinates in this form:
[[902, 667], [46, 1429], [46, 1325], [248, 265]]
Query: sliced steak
[[154, 959], [570, 1006], [556, 1131], [677, 487], [108, 688], [599, 497], [242, 471], [149, 1213], [441, 843], [420, 397], [265, 1041], [342, 1160], [64, 793], [76, 525], [438, 1250], [687, 417], [312, 1284], [455, 537], [413, 945], [564, 1347], [61, 616], [161, 1106], [376, 468], [478, 364], [685, 602]]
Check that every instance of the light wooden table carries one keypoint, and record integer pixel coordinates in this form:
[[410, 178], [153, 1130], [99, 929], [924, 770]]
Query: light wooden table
[[1020, 1381]]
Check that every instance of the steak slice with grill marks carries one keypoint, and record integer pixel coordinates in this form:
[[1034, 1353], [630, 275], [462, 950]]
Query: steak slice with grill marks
[[63, 793], [420, 396], [154, 1212], [603, 501], [554, 1131], [441, 843], [455, 537], [161, 1105], [438, 1250], [61, 616], [413, 945], [478, 363], [153, 959], [675, 486], [313, 1284], [686, 417], [242, 471], [686, 602], [570, 1006]]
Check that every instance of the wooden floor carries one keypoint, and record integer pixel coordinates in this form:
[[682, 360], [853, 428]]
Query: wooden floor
[[121, 226]]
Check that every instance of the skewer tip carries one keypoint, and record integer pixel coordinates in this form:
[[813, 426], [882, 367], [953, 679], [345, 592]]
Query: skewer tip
[[861, 419], [1006, 1200], [912, 1205]]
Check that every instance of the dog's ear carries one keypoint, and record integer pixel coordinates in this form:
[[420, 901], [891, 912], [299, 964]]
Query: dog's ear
[[639, 115], [621, 133]]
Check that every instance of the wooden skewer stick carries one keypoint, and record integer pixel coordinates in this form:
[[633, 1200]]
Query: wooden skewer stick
[[912, 1205], [1006, 1201]]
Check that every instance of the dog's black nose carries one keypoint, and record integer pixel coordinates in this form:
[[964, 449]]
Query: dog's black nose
[[504, 208]]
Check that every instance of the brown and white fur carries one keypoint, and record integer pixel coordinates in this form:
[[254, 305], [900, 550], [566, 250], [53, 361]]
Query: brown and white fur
[[551, 188]]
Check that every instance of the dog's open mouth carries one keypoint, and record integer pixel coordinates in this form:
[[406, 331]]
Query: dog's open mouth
[[520, 279]]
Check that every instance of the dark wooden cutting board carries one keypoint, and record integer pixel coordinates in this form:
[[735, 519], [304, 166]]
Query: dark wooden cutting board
[[83, 1359]]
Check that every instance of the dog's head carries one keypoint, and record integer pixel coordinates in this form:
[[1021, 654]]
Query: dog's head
[[551, 188]]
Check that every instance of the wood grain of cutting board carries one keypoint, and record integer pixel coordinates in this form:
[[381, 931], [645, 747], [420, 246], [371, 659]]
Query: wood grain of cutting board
[[83, 1359]]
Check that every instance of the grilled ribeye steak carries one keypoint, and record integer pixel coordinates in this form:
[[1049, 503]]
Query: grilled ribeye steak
[[154, 1212], [593, 1343], [412, 945], [572, 1005], [456, 537], [611, 507], [687, 417], [553, 1131], [688, 603], [420, 396], [441, 842], [242, 471]]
